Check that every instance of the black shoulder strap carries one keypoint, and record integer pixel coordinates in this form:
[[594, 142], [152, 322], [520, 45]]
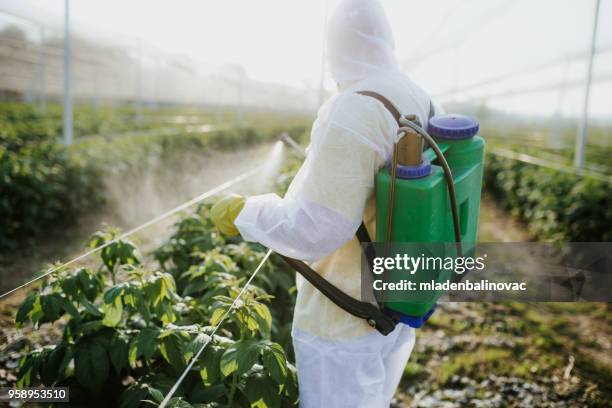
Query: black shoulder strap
[[364, 310], [362, 232], [391, 108], [387, 103]]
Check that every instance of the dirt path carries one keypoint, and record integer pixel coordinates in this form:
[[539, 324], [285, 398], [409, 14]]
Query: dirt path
[[497, 226]]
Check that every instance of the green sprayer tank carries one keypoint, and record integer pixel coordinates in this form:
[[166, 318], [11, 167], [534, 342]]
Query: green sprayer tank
[[422, 211]]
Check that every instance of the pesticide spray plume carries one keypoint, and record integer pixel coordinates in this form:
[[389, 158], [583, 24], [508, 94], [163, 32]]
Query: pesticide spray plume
[[265, 172], [271, 167]]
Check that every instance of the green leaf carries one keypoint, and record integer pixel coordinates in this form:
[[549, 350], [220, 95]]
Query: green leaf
[[171, 349], [89, 307], [169, 282], [36, 314], [122, 252], [264, 314], [68, 357], [51, 306], [70, 286], [275, 362], [111, 294], [112, 312], [28, 369], [89, 327], [162, 291], [144, 345], [70, 309], [210, 361], [195, 345], [240, 357], [166, 313], [90, 284], [50, 367], [118, 352], [143, 308], [133, 396], [213, 393], [156, 395], [261, 391], [290, 388], [263, 318], [216, 316], [249, 319], [91, 364], [24, 310]]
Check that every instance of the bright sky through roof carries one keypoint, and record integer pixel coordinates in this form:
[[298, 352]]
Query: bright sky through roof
[[444, 45]]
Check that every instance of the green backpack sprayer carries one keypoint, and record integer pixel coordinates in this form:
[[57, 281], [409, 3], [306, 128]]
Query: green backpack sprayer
[[422, 196]]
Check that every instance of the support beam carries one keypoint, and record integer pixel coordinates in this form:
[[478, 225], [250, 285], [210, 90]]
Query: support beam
[[42, 74], [582, 129], [67, 100]]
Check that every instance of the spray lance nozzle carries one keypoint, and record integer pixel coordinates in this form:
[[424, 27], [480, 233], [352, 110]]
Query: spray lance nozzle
[[285, 138]]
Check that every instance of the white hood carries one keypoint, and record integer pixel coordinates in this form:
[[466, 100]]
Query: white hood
[[360, 41]]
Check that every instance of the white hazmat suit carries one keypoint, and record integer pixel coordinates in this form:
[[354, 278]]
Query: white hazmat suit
[[341, 360]]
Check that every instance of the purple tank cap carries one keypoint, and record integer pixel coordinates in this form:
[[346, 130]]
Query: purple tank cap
[[453, 126], [412, 172]]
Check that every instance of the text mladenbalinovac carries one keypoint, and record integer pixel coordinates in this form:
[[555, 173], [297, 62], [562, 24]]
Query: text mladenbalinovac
[[459, 265], [482, 285]]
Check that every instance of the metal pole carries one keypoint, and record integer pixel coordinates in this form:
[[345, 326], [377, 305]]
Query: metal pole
[[580, 139], [43, 72], [556, 135], [67, 78], [323, 57], [139, 85]]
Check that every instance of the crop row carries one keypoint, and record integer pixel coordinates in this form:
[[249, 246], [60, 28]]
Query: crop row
[[554, 205]]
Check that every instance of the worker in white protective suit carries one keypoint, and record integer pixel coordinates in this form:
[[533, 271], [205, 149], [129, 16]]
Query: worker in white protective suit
[[341, 360]]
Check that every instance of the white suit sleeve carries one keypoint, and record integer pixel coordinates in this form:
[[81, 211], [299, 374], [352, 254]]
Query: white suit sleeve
[[324, 205]]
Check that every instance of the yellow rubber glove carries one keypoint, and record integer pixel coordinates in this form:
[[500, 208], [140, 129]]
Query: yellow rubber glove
[[225, 211]]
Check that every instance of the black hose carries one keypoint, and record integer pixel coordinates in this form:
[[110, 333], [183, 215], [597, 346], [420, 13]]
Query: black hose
[[447, 174]]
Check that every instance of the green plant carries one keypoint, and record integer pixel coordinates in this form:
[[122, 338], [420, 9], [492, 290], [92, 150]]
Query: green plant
[[39, 184], [130, 330], [554, 205]]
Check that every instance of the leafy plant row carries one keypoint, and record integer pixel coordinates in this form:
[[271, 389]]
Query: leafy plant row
[[132, 325], [40, 186], [43, 184], [554, 205], [26, 122]]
